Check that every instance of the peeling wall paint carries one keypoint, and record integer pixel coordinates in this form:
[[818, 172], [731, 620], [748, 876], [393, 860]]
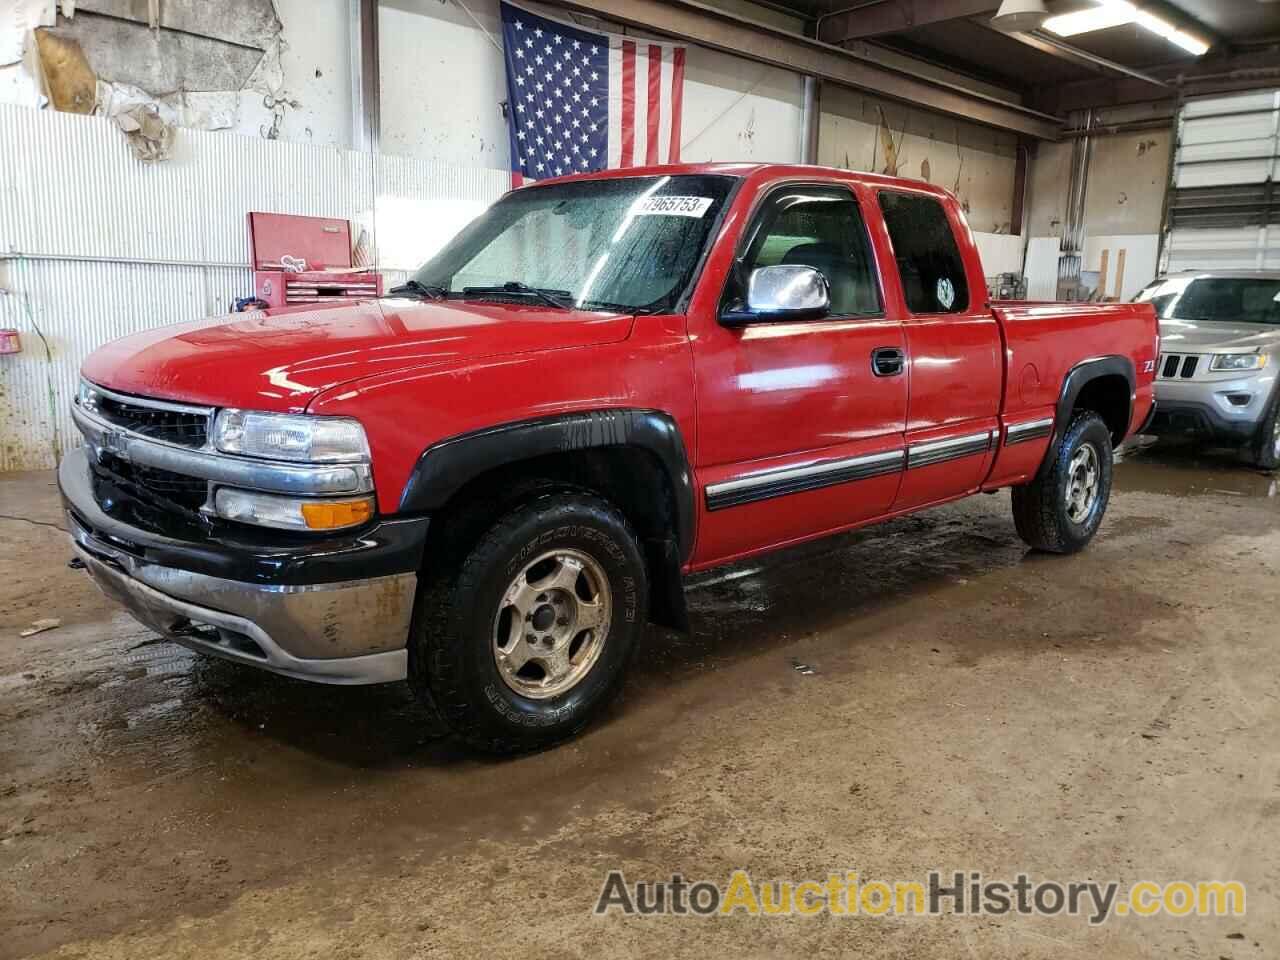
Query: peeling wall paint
[[233, 65], [1127, 183], [862, 132], [163, 61], [315, 78], [1124, 205], [1128, 176], [1048, 181]]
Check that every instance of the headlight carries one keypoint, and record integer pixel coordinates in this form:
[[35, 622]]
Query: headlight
[[1238, 361], [288, 513], [288, 436]]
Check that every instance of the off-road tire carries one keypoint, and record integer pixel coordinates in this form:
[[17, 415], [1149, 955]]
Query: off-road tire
[[451, 658], [1040, 507], [1263, 448]]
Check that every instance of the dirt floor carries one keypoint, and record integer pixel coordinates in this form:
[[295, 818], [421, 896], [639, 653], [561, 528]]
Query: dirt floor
[[925, 694]]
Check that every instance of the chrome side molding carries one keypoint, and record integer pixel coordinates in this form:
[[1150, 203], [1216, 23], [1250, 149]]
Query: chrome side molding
[[1031, 430], [811, 476], [953, 448]]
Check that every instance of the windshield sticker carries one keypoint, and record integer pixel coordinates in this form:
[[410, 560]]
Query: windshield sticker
[[695, 207], [946, 293]]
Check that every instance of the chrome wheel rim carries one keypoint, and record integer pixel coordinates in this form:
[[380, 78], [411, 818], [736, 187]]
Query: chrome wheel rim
[[552, 624], [1083, 475]]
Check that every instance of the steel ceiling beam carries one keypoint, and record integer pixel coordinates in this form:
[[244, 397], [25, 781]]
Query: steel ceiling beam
[[860, 21], [1039, 40], [1214, 74], [763, 43]]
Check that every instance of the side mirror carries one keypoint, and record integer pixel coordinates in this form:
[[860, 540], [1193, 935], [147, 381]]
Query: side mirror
[[785, 292]]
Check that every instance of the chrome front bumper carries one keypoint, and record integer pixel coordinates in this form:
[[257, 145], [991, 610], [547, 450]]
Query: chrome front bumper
[[344, 632], [255, 622]]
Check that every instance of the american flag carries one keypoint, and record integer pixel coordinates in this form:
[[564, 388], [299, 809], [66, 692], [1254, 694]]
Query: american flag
[[580, 101]]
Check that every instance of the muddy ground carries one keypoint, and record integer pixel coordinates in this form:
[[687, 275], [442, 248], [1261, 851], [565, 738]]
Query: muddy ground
[[965, 705]]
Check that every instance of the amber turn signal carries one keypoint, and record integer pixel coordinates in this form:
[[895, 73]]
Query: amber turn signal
[[333, 514]]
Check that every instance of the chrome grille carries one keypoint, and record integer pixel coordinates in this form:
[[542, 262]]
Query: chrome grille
[[174, 423], [161, 487]]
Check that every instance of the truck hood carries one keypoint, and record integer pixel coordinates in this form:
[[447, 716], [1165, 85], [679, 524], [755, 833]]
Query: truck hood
[[279, 359], [1190, 336]]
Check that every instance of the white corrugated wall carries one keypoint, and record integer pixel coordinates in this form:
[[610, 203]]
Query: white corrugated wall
[[76, 208]]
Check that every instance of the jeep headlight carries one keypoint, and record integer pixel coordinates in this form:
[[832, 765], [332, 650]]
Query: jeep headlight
[[1236, 362], [290, 436]]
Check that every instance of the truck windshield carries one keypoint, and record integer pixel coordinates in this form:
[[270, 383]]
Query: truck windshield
[[630, 244], [1229, 299]]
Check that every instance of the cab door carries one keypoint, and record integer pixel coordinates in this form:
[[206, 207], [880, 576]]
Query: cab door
[[953, 348], [800, 422]]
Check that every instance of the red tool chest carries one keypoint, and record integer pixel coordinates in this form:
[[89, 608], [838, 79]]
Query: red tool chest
[[298, 260]]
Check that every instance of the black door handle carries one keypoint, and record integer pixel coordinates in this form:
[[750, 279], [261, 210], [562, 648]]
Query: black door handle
[[888, 361]]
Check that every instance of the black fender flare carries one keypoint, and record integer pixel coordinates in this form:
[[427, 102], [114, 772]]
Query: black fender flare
[[1077, 378], [445, 467]]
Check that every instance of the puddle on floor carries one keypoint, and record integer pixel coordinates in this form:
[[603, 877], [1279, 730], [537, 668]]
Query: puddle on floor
[[1189, 470]]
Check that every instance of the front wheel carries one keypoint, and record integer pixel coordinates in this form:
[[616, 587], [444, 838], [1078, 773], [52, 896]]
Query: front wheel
[[533, 634], [1061, 510], [1266, 444]]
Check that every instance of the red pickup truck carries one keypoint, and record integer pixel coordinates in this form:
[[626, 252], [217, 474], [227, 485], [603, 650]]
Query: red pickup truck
[[488, 482]]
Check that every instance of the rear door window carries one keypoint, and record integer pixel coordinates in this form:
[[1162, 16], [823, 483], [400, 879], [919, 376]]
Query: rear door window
[[933, 277]]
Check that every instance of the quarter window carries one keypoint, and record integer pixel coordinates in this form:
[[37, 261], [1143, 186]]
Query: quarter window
[[929, 262]]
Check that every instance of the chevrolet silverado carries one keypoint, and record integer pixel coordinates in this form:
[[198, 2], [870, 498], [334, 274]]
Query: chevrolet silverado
[[488, 482]]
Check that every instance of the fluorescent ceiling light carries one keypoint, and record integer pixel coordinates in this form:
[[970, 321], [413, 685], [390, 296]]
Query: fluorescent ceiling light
[[1114, 14], [1161, 28], [1117, 13], [1193, 45]]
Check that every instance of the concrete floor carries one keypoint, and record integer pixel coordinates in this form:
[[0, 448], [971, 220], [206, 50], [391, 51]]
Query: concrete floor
[[1114, 715]]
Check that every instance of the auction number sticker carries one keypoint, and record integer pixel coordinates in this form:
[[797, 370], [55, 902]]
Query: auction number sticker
[[675, 206]]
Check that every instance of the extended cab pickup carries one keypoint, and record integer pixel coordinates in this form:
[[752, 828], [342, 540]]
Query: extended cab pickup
[[489, 482]]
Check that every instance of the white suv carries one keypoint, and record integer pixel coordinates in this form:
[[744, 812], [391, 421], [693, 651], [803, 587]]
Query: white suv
[[1219, 358]]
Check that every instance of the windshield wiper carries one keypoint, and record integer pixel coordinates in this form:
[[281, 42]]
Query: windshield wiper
[[552, 298], [620, 308], [431, 291]]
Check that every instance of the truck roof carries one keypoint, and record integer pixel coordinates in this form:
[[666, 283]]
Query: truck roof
[[757, 171]]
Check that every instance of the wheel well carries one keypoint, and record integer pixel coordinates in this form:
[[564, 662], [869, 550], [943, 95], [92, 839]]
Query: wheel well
[[1107, 396], [631, 478]]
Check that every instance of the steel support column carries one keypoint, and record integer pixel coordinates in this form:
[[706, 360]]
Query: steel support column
[[366, 105], [1019, 200], [810, 119]]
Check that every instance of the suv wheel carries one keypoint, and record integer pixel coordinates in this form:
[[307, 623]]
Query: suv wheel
[[533, 634], [1061, 510], [1266, 446]]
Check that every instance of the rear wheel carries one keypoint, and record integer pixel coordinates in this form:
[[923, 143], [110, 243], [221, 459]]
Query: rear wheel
[[533, 634], [1266, 445], [1061, 510]]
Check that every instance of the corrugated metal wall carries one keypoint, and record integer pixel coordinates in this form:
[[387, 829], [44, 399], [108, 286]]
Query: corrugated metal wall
[[95, 245]]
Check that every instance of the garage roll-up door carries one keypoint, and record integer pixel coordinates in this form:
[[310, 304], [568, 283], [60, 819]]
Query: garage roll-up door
[[1225, 209]]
